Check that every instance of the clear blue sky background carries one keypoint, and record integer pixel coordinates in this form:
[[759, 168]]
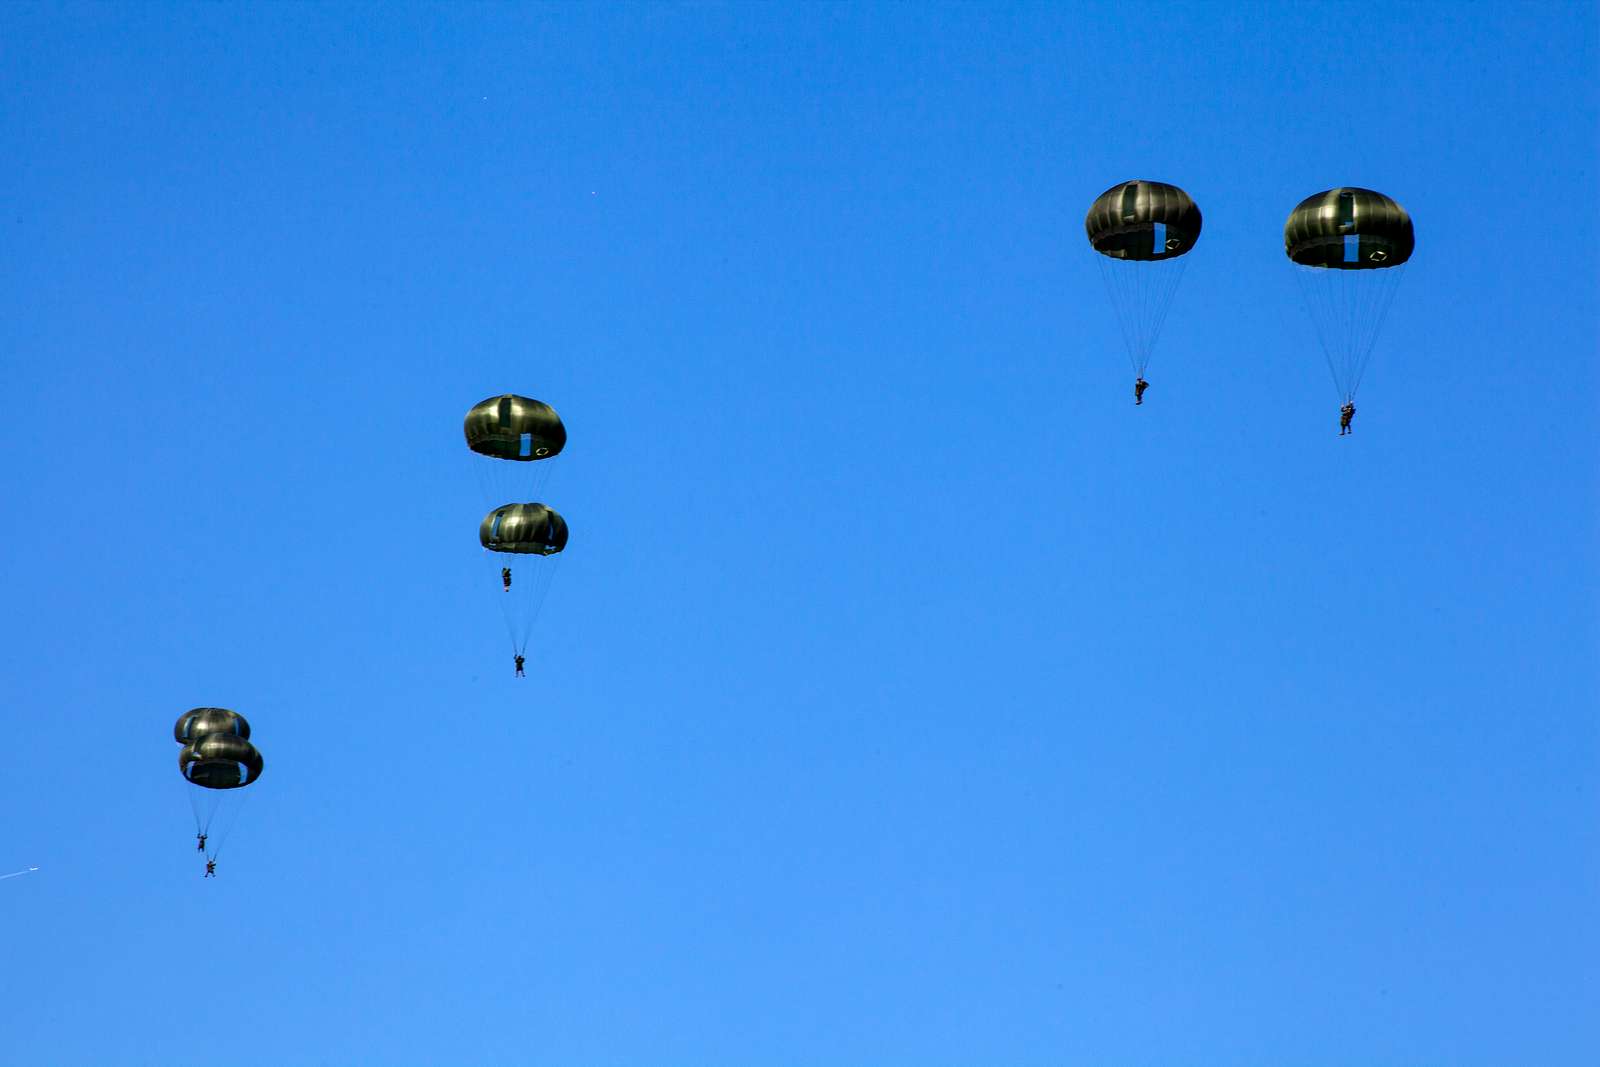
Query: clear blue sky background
[[906, 696]]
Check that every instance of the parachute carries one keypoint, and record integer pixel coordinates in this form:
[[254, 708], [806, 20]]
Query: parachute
[[523, 529], [1349, 246], [217, 758], [513, 435], [512, 533], [1142, 230]]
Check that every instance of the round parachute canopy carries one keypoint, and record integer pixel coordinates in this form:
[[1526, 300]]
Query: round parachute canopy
[[1143, 220], [220, 761], [515, 428], [523, 528], [201, 722], [1348, 229]]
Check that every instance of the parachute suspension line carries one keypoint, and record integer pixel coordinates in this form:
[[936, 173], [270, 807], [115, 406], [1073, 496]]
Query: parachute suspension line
[[1377, 312], [204, 803], [531, 578], [1164, 298], [1347, 309], [486, 481], [511, 631], [1322, 329], [502, 559], [228, 823], [189, 790], [542, 577], [1141, 293], [504, 482], [1121, 305]]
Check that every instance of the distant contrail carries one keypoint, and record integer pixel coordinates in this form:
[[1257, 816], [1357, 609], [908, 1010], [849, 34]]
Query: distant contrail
[[17, 874]]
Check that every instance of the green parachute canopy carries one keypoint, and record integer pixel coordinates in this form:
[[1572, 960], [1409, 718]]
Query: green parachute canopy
[[523, 529], [515, 428], [512, 437], [1349, 229], [1141, 220]]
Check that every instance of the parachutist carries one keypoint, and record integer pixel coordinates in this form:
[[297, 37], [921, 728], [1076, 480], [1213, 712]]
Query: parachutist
[[505, 577], [1346, 413], [1139, 386], [200, 842], [211, 868], [519, 658]]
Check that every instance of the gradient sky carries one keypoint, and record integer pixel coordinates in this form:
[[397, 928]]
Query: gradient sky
[[906, 696]]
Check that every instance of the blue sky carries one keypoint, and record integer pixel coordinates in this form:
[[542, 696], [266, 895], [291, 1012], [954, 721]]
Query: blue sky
[[905, 696]]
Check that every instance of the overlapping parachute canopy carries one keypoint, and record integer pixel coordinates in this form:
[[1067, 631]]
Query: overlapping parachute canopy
[[217, 758], [1348, 246], [1142, 230]]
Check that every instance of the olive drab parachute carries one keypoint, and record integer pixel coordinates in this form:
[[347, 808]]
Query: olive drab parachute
[[1348, 246], [1141, 231], [217, 758], [514, 427], [523, 529], [514, 437]]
